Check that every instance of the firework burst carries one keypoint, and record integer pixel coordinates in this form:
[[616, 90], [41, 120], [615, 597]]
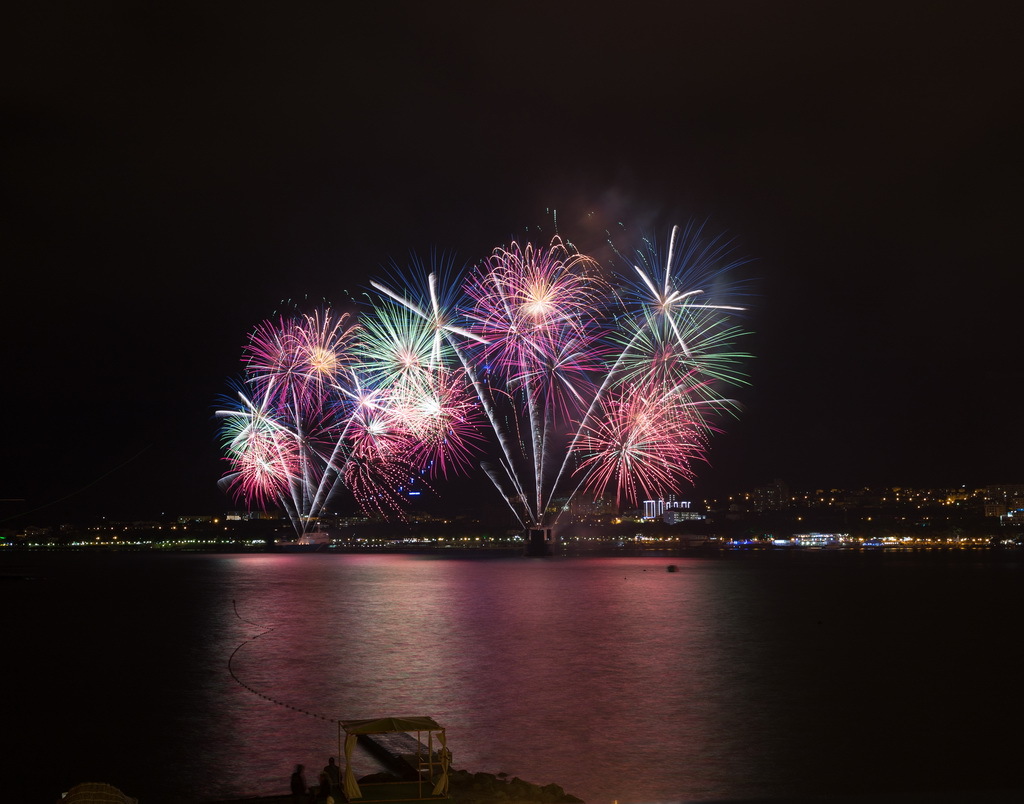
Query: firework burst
[[645, 440], [563, 374], [263, 456], [282, 450]]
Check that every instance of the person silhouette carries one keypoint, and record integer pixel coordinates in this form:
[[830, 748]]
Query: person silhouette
[[299, 790], [323, 787], [334, 775]]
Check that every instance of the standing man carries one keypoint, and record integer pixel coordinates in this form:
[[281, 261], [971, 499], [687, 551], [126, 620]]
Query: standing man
[[334, 774], [299, 790]]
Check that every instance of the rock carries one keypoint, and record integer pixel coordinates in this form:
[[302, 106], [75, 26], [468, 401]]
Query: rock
[[379, 777], [490, 788]]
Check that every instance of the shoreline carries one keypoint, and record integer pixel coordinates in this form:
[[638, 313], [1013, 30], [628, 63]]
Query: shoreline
[[465, 787]]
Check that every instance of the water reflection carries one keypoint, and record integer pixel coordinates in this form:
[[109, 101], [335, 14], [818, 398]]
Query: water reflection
[[732, 678], [600, 675]]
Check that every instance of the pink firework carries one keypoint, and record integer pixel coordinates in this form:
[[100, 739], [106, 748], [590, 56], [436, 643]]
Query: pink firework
[[273, 359], [324, 341], [444, 420], [375, 432], [263, 467], [298, 367], [295, 360], [644, 441], [535, 310], [377, 456], [528, 303]]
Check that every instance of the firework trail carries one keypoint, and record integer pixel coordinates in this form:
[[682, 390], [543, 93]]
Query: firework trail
[[534, 312]]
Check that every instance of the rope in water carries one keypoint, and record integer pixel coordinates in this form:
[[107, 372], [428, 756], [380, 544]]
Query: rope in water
[[265, 630]]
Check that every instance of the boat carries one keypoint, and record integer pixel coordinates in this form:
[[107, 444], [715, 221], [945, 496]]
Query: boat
[[415, 751], [311, 542]]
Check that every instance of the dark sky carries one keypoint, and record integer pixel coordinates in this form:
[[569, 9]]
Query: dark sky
[[172, 172]]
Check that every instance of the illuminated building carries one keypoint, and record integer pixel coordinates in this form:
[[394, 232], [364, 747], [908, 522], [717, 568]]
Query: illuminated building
[[773, 497], [653, 509]]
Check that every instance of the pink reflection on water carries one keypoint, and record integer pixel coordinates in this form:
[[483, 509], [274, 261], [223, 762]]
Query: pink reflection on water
[[601, 675]]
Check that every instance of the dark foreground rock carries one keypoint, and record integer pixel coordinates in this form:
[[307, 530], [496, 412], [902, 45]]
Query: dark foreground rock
[[487, 788], [465, 787]]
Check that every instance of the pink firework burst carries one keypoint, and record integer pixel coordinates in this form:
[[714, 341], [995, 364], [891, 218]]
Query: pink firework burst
[[444, 419], [528, 302], [323, 340], [263, 467], [377, 458], [646, 440], [374, 431], [297, 359]]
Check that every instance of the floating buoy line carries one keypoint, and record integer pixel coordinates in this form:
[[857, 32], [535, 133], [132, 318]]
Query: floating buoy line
[[231, 669]]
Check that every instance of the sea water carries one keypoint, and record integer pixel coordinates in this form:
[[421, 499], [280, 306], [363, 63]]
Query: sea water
[[195, 677]]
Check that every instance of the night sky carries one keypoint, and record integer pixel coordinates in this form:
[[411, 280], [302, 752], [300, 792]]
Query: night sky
[[172, 172]]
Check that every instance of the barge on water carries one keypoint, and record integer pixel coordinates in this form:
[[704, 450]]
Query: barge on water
[[414, 749]]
